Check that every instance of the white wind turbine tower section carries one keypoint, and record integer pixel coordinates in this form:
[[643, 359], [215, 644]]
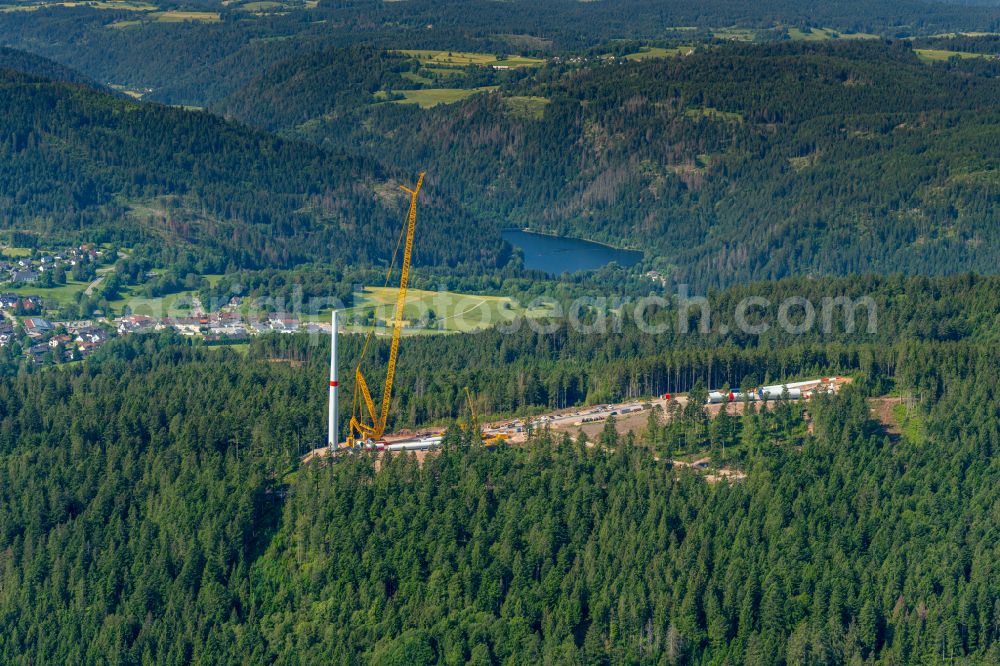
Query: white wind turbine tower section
[[332, 437]]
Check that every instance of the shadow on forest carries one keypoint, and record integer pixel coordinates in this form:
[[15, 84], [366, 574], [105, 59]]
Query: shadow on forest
[[268, 502]]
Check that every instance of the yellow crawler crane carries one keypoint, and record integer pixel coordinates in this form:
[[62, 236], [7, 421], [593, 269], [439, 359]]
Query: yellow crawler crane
[[371, 427]]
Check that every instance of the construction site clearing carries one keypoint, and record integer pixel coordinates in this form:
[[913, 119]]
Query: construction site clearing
[[629, 416], [368, 421]]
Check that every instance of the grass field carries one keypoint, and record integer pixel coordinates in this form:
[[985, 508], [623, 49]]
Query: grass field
[[417, 78], [64, 294], [804, 162], [952, 35], [262, 6], [429, 97], [15, 252], [171, 16], [171, 305], [131, 92], [459, 59], [426, 312], [453, 312], [441, 71], [651, 52], [822, 34], [120, 5], [941, 55], [736, 34], [177, 16], [526, 106]]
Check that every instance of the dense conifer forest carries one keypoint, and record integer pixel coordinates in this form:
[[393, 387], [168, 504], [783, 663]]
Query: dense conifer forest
[[154, 510], [732, 163], [84, 164], [159, 501], [192, 62]]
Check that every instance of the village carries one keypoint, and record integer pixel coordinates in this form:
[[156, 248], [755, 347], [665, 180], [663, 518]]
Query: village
[[47, 268], [48, 342], [33, 329]]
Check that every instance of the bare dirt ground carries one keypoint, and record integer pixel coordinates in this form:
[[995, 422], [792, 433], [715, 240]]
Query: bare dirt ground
[[421, 456], [700, 462], [726, 474], [571, 422], [625, 423], [324, 452], [635, 422], [882, 411]]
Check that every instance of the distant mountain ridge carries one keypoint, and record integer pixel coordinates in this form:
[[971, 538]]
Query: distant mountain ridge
[[734, 163], [198, 62]]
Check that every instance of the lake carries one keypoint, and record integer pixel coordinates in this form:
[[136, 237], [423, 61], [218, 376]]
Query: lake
[[555, 254]]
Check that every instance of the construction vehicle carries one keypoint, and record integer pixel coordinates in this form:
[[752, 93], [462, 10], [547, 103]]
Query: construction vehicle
[[369, 428]]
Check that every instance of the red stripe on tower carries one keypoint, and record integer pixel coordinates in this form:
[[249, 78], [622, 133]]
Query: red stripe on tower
[[334, 384]]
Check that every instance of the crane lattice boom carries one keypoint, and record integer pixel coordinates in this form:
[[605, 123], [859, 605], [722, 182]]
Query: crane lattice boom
[[360, 429]]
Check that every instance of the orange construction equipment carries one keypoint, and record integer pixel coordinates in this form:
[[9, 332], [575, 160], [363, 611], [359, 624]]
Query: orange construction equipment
[[371, 427]]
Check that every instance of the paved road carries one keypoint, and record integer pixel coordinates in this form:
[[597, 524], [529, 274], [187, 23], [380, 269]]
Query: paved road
[[103, 273], [93, 285]]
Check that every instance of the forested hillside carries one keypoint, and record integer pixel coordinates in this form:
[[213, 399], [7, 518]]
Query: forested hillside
[[153, 509], [733, 163], [334, 81], [201, 60], [186, 185], [28, 63], [846, 550], [518, 367], [79, 163]]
